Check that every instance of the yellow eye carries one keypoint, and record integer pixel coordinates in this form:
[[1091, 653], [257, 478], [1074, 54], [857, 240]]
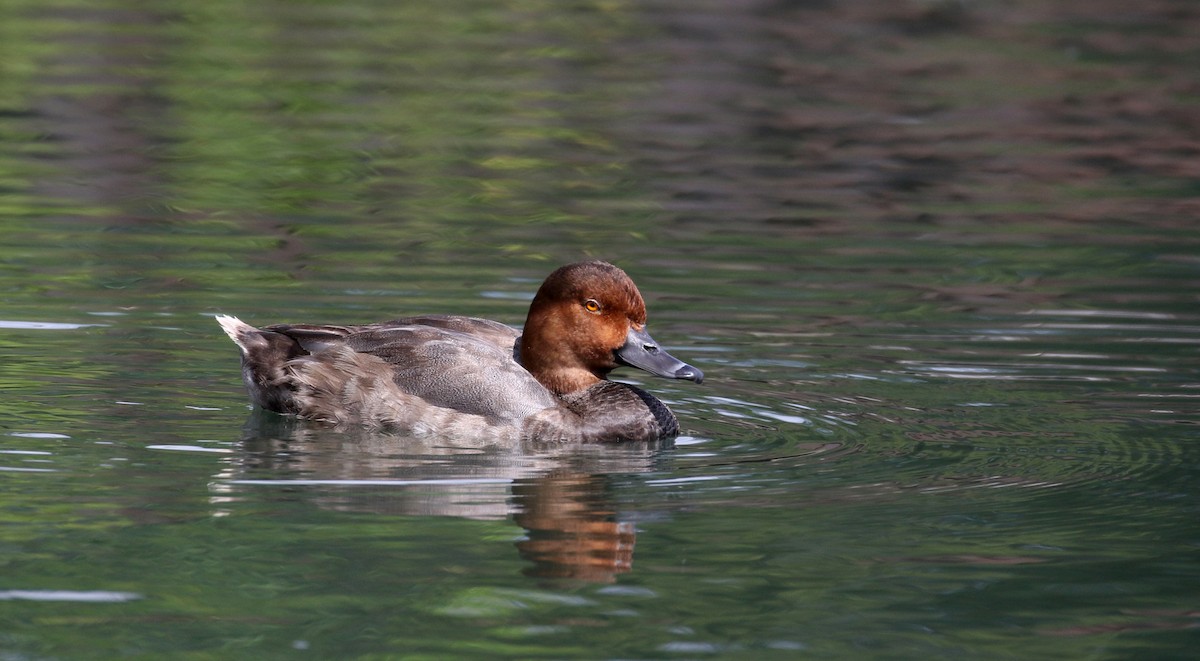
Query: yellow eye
[[591, 305]]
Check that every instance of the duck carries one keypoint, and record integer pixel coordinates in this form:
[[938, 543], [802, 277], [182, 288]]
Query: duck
[[466, 377]]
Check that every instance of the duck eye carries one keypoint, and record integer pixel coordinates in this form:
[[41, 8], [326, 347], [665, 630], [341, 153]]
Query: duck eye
[[591, 305]]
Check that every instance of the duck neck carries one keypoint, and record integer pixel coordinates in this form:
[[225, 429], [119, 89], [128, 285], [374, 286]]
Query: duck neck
[[560, 375], [551, 362]]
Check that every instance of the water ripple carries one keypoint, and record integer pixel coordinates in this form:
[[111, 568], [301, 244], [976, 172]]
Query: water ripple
[[44, 325], [85, 596]]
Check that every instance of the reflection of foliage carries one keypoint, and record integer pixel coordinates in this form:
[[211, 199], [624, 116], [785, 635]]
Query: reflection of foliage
[[244, 108]]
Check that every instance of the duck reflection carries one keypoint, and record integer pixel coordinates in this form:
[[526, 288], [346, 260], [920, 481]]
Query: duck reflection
[[572, 528], [562, 499]]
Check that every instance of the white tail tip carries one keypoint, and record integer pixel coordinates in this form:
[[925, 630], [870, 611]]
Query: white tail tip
[[235, 328]]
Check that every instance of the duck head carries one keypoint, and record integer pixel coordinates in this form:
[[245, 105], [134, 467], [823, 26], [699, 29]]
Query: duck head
[[586, 320]]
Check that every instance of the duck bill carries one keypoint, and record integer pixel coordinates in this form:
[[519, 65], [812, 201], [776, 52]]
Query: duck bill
[[641, 351]]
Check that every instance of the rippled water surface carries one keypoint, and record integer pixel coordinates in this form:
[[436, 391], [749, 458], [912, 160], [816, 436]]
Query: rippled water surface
[[939, 261]]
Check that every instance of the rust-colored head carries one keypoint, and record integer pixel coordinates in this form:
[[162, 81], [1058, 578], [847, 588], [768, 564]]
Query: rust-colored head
[[586, 320]]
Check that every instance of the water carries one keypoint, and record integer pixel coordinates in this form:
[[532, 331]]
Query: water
[[937, 260]]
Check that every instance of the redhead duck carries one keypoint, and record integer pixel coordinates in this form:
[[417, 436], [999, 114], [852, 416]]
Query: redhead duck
[[466, 377]]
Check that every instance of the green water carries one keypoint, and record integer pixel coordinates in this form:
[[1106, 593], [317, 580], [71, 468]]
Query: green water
[[938, 262]]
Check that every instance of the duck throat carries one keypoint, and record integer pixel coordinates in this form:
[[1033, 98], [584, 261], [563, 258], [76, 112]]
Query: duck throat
[[565, 380], [558, 369]]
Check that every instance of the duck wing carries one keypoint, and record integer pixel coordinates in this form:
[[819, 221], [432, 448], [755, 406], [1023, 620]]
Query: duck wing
[[460, 363]]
